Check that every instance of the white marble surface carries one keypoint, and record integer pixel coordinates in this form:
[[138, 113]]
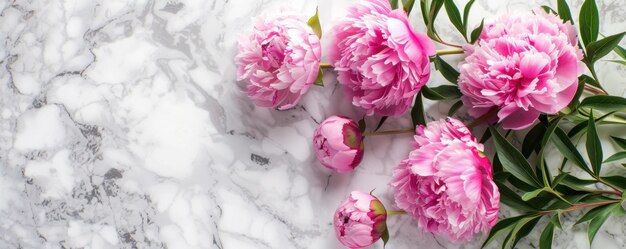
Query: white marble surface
[[122, 126]]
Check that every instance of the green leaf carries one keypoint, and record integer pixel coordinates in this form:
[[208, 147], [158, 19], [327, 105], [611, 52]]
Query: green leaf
[[381, 122], [320, 78], [590, 80], [500, 227], [476, 32], [595, 198], [545, 240], [623, 63], [556, 220], [589, 22], [447, 71], [529, 195], [616, 180], [592, 213], [564, 11], [620, 51], [314, 23], [511, 199], [558, 179], [486, 136], [424, 10], [578, 128], [594, 147], [576, 183], [362, 125], [435, 6], [455, 16], [579, 91], [521, 229], [385, 237], [443, 92], [408, 5], [597, 222], [620, 142], [617, 156], [583, 125], [569, 151], [394, 4], [455, 107], [533, 139], [513, 161], [466, 11], [548, 10], [549, 131], [417, 112], [600, 48], [559, 204]]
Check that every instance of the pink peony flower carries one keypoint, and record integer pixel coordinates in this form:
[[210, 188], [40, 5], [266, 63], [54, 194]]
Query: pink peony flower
[[381, 61], [446, 182], [338, 143], [523, 65], [360, 220], [280, 60]]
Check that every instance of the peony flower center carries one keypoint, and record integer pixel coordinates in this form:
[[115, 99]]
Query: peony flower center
[[273, 49]]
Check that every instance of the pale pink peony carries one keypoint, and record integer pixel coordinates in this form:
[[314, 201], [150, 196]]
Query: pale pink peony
[[338, 143], [280, 60], [524, 65], [381, 61], [446, 182], [360, 220]]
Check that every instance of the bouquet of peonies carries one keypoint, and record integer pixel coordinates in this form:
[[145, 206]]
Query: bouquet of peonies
[[522, 72]]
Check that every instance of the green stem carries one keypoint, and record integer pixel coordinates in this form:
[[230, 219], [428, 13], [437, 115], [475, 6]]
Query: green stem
[[326, 65], [380, 133], [595, 76], [559, 196], [396, 212], [594, 90], [608, 192], [445, 43], [609, 185], [450, 51], [579, 206]]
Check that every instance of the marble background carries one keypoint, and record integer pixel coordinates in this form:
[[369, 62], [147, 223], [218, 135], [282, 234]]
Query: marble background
[[122, 126]]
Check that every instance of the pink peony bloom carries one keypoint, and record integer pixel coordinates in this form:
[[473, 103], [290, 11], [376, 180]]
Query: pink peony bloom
[[280, 60], [381, 61], [446, 182], [523, 65], [360, 220], [338, 143]]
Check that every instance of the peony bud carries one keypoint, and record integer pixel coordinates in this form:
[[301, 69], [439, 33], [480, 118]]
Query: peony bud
[[338, 143], [360, 220]]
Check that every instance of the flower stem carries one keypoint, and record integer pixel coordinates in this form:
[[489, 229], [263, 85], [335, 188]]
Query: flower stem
[[326, 65], [579, 206], [608, 192], [594, 90], [380, 133], [450, 51], [609, 185], [396, 212]]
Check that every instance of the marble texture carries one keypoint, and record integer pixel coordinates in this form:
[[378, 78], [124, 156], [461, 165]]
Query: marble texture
[[122, 126]]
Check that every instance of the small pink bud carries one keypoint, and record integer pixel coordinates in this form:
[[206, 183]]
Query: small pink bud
[[338, 144], [360, 220]]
